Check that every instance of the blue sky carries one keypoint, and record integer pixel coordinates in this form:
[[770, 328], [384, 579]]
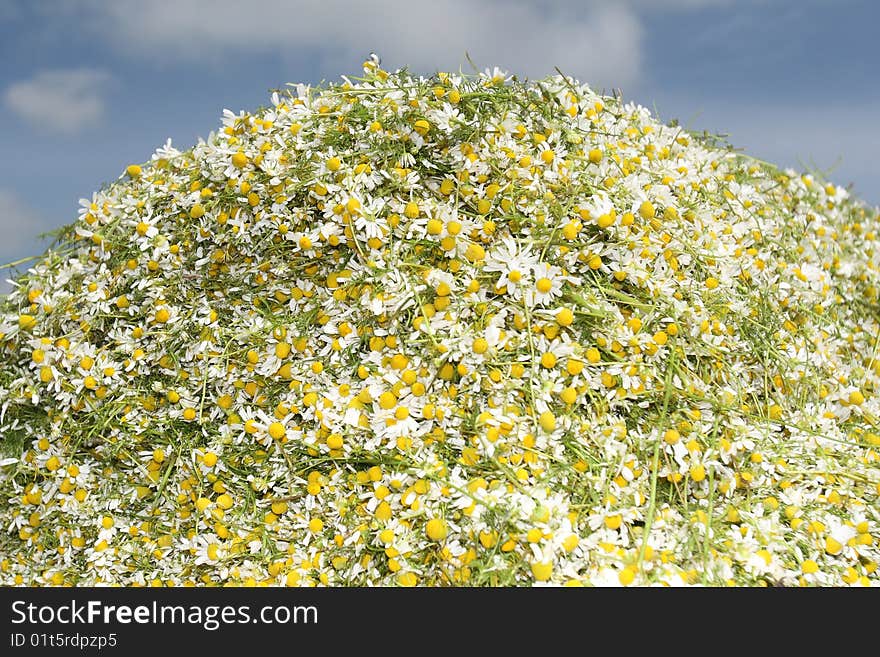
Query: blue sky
[[89, 86]]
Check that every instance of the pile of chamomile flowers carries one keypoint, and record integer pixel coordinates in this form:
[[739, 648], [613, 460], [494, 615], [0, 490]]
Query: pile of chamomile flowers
[[458, 330]]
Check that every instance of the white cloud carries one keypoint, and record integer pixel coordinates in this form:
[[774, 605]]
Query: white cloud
[[597, 41], [59, 101]]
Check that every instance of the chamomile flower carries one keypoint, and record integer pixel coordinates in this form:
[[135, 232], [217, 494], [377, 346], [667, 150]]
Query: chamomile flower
[[549, 281]]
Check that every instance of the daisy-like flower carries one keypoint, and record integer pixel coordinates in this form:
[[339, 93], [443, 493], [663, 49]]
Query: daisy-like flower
[[207, 549], [516, 266], [495, 76], [549, 281]]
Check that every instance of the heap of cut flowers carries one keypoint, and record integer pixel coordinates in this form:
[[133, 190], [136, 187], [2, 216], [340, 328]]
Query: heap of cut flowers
[[448, 330]]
